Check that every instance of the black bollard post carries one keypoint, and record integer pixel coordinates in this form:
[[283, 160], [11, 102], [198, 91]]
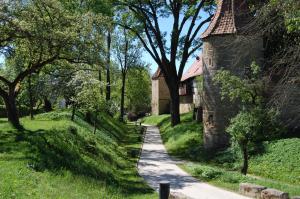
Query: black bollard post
[[164, 190]]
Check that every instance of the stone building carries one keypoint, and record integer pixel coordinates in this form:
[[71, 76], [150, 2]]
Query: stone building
[[160, 94], [190, 95], [225, 46], [188, 91]]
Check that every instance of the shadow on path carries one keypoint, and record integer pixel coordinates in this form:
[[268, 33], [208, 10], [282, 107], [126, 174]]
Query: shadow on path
[[156, 165]]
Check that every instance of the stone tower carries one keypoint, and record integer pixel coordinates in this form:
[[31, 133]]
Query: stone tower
[[226, 45], [160, 94]]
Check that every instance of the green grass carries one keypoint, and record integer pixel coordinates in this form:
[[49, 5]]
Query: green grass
[[57, 158], [280, 161], [156, 119], [276, 166]]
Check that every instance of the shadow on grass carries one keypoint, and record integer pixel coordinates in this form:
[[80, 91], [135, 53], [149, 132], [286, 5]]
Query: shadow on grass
[[56, 150], [9, 143]]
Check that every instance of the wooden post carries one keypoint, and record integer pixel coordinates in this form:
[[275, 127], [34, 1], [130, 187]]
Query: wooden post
[[164, 190]]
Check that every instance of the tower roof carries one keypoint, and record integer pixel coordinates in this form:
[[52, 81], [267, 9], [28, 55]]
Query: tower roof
[[230, 17]]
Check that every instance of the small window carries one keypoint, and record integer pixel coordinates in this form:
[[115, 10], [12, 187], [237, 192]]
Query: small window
[[209, 61], [210, 120]]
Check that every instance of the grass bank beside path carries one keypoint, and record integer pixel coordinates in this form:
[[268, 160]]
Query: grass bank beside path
[[57, 158], [276, 166]]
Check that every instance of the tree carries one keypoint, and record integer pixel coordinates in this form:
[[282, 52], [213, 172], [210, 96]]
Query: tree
[[88, 97], [108, 82], [255, 122], [277, 22], [128, 52], [171, 56], [138, 94], [36, 34], [103, 7], [249, 127]]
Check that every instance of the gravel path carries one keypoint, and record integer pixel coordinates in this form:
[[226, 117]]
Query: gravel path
[[156, 165]]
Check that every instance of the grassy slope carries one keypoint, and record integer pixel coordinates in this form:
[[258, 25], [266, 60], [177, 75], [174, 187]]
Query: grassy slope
[[57, 158], [278, 167]]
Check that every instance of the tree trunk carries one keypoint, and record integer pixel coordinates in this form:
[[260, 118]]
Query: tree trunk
[[172, 81], [47, 105], [88, 117], [12, 112], [73, 112], [122, 98], [108, 67], [100, 80], [175, 113], [95, 123], [194, 113], [95, 126], [245, 157], [199, 116], [30, 98]]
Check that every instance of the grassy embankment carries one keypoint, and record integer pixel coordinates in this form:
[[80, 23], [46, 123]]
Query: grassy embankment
[[277, 166], [57, 158]]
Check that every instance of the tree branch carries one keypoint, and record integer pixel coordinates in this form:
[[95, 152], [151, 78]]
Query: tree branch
[[3, 93], [157, 32], [32, 69], [152, 54], [199, 27], [194, 49], [175, 34]]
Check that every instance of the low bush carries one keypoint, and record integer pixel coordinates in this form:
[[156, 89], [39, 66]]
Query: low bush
[[132, 116], [206, 173]]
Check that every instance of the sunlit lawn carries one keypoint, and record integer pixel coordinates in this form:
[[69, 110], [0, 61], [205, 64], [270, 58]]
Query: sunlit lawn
[[57, 158]]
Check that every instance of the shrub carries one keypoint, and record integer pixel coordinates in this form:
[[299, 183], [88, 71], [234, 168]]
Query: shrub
[[132, 116], [207, 173]]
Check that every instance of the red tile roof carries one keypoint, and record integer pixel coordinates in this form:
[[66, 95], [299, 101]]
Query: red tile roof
[[230, 17], [194, 70], [157, 74]]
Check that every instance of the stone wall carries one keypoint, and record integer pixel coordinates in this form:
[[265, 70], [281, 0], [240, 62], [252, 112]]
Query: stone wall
[[155, 95], [186, 104], [197, 93], [231, 53], [160, 97], [262, 192]]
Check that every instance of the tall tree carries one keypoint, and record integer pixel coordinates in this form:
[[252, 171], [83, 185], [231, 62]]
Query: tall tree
[[108, 41], [40, 33], [171, 56], [30, 95], [127, 51], [138, 90], [104, 7]]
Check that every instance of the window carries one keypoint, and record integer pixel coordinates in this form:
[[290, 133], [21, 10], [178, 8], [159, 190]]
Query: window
[[210, 120], [209, 61]]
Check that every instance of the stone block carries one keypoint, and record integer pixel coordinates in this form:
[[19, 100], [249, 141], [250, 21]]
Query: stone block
[[251, 190], [295, 197], [274, 194]]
